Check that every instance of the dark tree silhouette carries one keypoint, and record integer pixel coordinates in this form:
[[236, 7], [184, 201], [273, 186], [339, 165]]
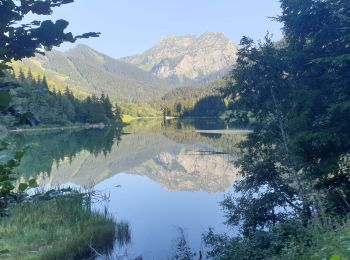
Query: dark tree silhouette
[[19, 40]]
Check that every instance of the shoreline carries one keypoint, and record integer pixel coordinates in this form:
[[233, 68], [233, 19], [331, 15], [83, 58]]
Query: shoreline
[[54, 128], [226, 131]]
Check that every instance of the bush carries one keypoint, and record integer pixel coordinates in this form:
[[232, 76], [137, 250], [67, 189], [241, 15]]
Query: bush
[[321, 239]]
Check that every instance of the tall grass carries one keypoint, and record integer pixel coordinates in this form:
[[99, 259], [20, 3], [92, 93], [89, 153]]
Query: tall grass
[[61, 228]]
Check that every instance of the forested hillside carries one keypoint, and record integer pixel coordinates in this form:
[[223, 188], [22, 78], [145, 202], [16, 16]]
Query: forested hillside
[[201, 101], [86, 72], [31, 102], [205, 101]]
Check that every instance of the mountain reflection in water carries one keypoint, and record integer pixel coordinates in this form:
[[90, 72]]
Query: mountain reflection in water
[[170, 156], [160, 176]]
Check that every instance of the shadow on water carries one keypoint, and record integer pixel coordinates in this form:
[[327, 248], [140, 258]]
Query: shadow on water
[[221, 143], [196, 123], [49, 148], [123, 234]]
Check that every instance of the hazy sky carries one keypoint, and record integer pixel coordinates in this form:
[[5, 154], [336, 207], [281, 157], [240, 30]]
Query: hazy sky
[[132, 26]]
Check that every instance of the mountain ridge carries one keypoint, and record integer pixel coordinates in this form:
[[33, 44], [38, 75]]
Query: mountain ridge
[[176, 61], [188, 58], [85, 70]]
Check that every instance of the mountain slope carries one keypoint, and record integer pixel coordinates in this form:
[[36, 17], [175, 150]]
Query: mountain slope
[[88, 71], [214, 88], [188, 59], [175, 61]]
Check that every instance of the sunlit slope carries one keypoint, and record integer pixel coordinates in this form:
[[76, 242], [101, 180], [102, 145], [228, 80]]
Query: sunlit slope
[[86, 71], [188, 59]]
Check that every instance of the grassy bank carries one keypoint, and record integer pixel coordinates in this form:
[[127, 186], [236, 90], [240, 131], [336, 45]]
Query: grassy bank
[[62, 228]]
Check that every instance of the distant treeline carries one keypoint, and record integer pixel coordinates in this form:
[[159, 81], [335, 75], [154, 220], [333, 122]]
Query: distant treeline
[[194, 101], [206, 101], [29, 101]]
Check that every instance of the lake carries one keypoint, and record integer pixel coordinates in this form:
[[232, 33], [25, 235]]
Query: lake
[[162, 178]]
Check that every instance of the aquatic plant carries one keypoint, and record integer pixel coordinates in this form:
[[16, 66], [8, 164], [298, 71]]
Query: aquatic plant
[[63, 227]]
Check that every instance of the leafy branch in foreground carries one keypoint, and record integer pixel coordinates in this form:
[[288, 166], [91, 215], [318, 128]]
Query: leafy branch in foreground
[[19, 40], [7, 179], [8, 191]]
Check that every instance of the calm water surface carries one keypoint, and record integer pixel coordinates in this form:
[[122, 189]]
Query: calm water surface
[[159, 177]]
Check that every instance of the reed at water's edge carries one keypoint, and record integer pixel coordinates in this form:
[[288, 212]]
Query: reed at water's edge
[[60, 228]]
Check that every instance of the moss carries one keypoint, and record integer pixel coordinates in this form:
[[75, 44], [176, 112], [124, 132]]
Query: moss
[[62, 228]]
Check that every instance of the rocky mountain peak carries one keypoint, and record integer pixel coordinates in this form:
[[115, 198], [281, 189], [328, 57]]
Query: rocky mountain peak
[[188, 57]]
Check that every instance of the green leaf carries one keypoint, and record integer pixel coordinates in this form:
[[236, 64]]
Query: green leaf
[[7, 186], [335, 257], [3, 145], [32, 183], [5, 251], [5, 100], [22, 187]]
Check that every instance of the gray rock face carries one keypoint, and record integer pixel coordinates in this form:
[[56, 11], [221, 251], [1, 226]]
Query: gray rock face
[[187, 57]]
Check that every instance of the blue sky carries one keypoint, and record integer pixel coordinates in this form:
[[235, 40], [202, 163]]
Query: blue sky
[[132, 26]]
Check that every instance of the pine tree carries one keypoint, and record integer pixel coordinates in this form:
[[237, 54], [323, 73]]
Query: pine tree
[[108, 108], [39, 81], [45, 84], [30, 77], [21, 75], [117, 113]]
